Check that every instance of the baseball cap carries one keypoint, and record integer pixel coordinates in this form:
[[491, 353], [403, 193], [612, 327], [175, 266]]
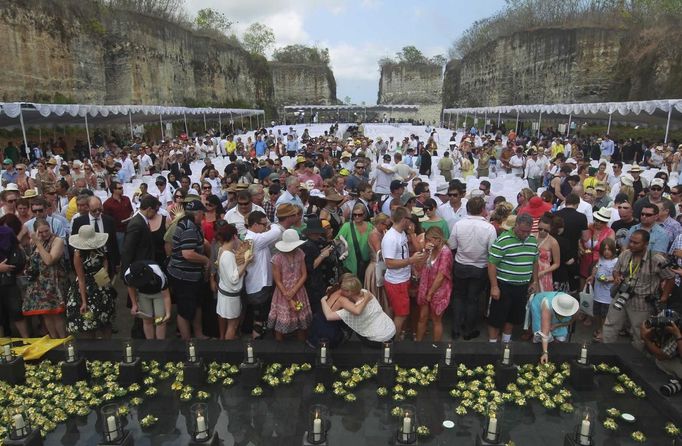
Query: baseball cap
[[658, 182]]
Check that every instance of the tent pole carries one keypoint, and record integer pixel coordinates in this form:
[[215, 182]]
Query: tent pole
[[464, 124], [220, 124], [498, 119], [485, 122], [184, 115], [568, 127], [608, 128], [517, 122], [539, 123], [23, 132], [161, 121], [449, 118], [667, 125], [205, 128], [87, 132], [241, 118], [231, 123], [250, 123], [130, 119], [456, 121]]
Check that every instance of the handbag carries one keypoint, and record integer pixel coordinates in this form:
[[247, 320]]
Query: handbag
[[17, 258], [587, 300], [379, 269], [360, 262]]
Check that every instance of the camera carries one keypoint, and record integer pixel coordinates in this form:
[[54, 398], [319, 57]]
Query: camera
[[623, 294], [664, 319], [671, 262]]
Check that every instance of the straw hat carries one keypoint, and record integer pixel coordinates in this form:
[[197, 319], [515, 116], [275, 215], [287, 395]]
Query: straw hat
[[509, 223], [30, 193], [564, 305], [603, 215], [287, 210], [635, 168], [289, 242], [627, 180], [88, 239], [334, 196]]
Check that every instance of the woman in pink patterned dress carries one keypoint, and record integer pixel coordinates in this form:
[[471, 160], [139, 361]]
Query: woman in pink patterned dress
[[435, 285], [290, 309], [549, 253]]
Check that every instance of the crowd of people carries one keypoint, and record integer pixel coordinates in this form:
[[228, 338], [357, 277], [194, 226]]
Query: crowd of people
[[327, 236]]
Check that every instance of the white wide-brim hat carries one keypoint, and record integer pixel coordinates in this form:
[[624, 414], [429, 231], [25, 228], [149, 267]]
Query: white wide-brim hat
[[88, 239], [290, 241], [603, 215], [565, 305]]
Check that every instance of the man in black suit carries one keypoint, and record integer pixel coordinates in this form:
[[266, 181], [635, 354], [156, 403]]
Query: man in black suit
[[179, 167], [101, 223], [138, 243]]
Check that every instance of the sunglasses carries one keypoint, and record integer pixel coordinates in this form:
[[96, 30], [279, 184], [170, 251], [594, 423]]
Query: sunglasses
[[623, 207], [358, 215], [656, 188], [244, 204], [206, 188], [37, 210], [646, 214], [453, 195]]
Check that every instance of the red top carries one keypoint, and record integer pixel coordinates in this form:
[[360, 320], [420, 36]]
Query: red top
[[118, 210]]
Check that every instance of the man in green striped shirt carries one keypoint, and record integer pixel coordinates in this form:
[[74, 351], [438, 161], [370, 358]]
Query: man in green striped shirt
[[513, 274]]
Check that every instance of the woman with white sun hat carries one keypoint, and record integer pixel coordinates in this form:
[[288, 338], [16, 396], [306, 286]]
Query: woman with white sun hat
[[550, 313]]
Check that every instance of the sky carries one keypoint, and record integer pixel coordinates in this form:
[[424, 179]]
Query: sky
[[357, 32]]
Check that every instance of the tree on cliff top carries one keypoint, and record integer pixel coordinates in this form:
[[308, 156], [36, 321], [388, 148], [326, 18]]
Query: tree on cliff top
[[258, 38], [209, 18], [518, 14], [412, 55], [301, 54]]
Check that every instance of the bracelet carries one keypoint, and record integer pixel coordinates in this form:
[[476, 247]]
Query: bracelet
[[545, 353]]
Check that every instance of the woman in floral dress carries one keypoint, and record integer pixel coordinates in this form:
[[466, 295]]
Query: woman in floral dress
[[47, 284], [435, 285], [90, 307], [290, 309]]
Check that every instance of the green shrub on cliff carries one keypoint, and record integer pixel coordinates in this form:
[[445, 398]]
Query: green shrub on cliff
[[522, 15]]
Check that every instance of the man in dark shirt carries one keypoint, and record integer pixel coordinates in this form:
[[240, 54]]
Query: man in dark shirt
[[574, 225], [627, 220]]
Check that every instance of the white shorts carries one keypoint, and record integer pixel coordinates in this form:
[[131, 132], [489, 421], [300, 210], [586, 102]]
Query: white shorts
[[228, 307]]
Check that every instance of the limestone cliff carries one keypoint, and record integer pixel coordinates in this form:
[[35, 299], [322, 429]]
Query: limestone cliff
[[299, 84], [78, 51], [419, 84], [553, 65]]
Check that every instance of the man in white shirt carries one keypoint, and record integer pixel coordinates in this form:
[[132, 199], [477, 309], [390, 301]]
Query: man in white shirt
[[384, 175], [517, 162], [258, 280], [535, 170], [238, 214], [471, 237], [454, 209], [165, 196], [584, 207], [145, 162], [127, 167], [397, 190], [402, 170], [396, 254]]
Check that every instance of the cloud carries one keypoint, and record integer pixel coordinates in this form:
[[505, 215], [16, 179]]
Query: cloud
[[356, 61], [260, 10]]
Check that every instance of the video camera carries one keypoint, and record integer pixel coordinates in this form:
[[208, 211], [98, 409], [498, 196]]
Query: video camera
[[664, 319]]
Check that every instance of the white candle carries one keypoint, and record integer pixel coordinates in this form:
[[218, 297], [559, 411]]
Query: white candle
[[583, 355], [387, 354], [323, 355], [249, 354], [585, 432], [448, 355], [317, 428], [505, 355], [112, 432], [70, 353], [492, 429], [202, 432], [129, 353], [19, 423], [192, 353], [8, 352], [407, 428]]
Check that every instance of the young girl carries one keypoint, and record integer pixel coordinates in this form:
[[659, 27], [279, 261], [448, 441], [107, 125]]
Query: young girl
[[602, 279], [290, 309]]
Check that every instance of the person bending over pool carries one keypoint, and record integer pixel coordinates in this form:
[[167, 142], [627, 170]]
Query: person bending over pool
[[360, 310], [551, 313]]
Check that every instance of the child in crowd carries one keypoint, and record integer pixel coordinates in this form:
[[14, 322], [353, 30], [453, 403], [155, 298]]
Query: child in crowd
[[602, 279]]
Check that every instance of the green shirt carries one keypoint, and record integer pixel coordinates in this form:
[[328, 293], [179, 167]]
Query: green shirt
[[514, 258], [351, 262], [442, 224]]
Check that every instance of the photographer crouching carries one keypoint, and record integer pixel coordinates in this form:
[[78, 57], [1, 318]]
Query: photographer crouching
[[642, 283], [663, 339]]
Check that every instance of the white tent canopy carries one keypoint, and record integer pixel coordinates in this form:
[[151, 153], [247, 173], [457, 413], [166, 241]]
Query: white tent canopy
[[655, 109], [30, 113], [381, 107]]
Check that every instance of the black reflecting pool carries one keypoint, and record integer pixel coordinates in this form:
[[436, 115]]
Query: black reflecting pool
[[539, 409]]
